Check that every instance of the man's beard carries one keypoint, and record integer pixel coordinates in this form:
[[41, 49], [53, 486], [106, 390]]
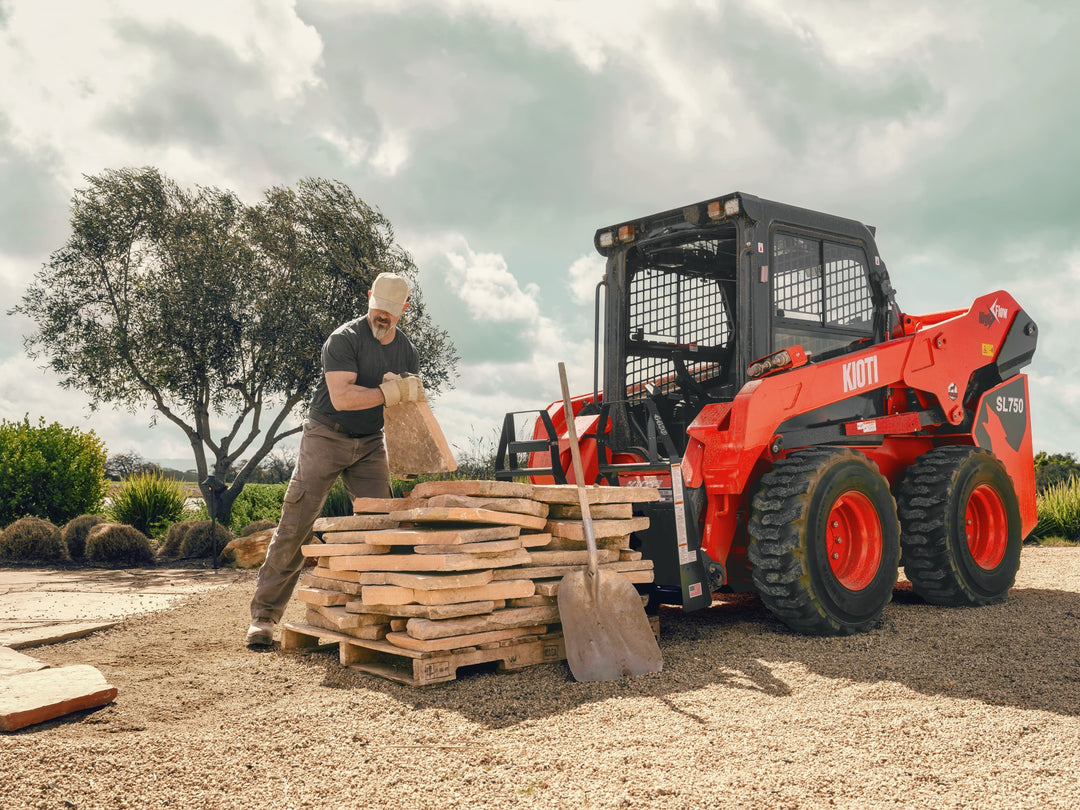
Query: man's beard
[[380, 330]]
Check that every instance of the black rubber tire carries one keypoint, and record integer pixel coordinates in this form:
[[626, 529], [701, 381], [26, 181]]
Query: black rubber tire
[[789, 531], [933, 498]]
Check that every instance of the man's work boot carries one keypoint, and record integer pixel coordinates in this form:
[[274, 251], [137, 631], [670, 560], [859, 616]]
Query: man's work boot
[[260, 634]]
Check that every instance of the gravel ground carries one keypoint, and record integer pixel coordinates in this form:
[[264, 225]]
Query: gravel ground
[[936, 708]]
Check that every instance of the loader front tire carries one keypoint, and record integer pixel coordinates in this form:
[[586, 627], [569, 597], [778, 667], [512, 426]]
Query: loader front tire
[[960, 518], [825, 541]]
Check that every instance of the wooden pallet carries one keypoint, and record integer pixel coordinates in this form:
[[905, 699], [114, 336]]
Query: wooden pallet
[[412, 668]]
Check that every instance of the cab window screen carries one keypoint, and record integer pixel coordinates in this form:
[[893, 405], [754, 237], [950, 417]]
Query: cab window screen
[[847, 293], [821, 283], [796, 271], [668, 307]]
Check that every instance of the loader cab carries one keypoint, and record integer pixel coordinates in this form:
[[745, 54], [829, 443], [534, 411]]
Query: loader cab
[[691, 297]]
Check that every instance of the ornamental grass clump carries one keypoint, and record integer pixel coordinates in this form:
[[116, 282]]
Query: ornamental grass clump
[[149, 502], [199, 539], [118, 546], [1059, 511], [75, 533], [33, 540], [174, 538]]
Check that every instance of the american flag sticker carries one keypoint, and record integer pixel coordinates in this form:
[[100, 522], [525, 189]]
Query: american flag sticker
[[695, 589]]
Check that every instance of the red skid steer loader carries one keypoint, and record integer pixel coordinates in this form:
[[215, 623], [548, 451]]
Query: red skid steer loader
[[807, 437]]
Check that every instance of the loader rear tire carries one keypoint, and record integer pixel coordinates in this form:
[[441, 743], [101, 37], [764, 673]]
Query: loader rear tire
[[960, 518], [825, 541]]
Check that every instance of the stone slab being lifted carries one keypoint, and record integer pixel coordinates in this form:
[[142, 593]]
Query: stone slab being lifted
[[414, 441], [35, 697]]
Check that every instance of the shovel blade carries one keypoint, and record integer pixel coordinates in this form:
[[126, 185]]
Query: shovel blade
[[605, 629]]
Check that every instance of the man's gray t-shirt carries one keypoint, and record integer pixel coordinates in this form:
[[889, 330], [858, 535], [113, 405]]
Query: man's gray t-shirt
[[352, 347]]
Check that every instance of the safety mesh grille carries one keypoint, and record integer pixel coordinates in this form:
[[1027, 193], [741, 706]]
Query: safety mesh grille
[[839, 296], [847, 293], [797, 278], [673, 307]]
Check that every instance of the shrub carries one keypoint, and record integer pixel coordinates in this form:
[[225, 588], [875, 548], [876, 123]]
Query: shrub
[[174, 538], [118, 546], [338, 501], [1059, 511], [33, 539], [75, 533], [255, 502], [149, 502], [1054, 468], [477, 459], [256, 526], [263, 502], [198, 540], [49, 471]]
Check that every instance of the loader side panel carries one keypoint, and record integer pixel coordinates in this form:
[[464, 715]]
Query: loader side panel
[[1003, 426]]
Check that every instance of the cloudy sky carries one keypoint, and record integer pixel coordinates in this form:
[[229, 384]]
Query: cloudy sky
[[497, 136]]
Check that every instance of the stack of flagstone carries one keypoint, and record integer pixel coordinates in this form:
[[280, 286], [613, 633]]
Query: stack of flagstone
[[461, 564]]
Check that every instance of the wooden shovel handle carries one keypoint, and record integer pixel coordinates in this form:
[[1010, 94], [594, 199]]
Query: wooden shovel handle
[[579, 474]]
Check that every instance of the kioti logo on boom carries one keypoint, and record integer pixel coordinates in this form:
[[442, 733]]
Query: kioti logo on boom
[[859, 374]]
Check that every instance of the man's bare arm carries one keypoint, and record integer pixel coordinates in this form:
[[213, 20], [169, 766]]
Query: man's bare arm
[[346, 395]]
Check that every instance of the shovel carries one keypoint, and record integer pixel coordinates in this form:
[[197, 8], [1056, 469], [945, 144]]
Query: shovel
[[605, 629]]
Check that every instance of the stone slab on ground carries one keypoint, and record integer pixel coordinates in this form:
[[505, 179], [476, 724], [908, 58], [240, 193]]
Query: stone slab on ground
[[14, 663], [39, 634], [42, 606], [34, 697]]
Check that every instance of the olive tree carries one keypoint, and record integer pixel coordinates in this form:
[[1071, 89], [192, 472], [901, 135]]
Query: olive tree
[[191, 302]]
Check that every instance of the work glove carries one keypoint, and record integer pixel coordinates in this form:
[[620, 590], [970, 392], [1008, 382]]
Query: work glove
[[403, 389]]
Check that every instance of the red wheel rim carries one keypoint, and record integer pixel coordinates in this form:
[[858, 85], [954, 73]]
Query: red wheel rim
[[986, 527], [853, 540]]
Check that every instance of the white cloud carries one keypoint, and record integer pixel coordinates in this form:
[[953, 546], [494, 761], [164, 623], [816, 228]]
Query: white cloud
[[391, 154], [584, 274], [62, 73], [353, 150], [487, 391], [484, 283]]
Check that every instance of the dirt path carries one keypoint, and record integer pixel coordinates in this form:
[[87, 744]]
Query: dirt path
[[936, 708]]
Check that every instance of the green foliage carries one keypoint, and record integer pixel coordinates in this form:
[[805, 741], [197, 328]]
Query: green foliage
[[194, 303], [118, 546], [75, 533], [1054, 468], [338, 502], [255, 502], [149, 502], [1059, 511], [263, 502], [49, 471], [33, 540]]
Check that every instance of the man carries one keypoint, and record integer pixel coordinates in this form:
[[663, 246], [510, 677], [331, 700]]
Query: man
[[363, 361]]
